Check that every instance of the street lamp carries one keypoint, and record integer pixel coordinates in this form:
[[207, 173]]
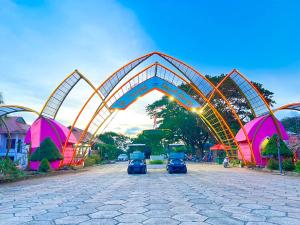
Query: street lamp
[[279, 158]]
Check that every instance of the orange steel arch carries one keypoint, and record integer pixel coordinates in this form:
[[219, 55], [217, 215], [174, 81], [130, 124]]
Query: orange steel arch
[[126, 69], [270, 111], [145, 69], [292, 106], [197, 91], [63, 97]]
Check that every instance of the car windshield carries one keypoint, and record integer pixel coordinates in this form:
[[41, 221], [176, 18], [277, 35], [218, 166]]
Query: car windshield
[[176, 160], [136, 161]]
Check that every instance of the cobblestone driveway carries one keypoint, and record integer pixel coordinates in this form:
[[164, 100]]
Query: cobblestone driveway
[[107, 195]]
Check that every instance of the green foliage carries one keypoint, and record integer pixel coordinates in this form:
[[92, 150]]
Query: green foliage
[[235, 162], [288, 165], [179, 149], [46, 150], [156, 161], [96, 157], [271, 148], [292, 124], [111, 150], [273, 164], [44, 166], [154, 139], [120, 141], [9, 169], [185, 126], [89, 161], [297, 168]]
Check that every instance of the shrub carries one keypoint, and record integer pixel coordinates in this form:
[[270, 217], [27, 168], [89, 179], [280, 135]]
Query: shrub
[[9, 169], [89, 161], [96, 157], [156, 162], [288, 165], [44, 166], [273, 164], [271, 148], [46, 150], [297, 168], [235, 162]]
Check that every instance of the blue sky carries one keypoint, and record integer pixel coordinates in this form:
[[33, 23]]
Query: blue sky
[[42, 41]]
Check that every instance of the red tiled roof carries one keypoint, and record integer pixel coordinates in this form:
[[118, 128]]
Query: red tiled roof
[[15, 124]]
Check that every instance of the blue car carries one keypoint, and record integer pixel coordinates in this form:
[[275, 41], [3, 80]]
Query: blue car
[[176, 164], [137, 163], [137, 166]]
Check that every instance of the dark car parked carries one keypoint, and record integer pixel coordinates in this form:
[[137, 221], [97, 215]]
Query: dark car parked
[[176, 163], [137, 163]]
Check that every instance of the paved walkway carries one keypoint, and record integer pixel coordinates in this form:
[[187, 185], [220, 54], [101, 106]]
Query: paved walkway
[[107, 195]]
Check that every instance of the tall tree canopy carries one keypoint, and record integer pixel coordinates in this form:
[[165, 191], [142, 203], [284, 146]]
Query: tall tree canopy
[[118, 140]]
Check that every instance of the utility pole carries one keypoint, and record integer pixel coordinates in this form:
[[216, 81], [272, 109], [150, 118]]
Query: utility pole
[[279, 155]]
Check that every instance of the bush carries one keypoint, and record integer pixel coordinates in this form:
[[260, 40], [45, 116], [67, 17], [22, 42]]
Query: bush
[[44, 166], [297, 168], [273, 164], [288, 165], [9, 169], [271, 148], [156, 162], [89, 161], [96, 157], [235, 162], [46, 150]]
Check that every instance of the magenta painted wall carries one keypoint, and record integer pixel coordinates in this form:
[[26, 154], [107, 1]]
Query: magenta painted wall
[[258, 130], [43, 128]]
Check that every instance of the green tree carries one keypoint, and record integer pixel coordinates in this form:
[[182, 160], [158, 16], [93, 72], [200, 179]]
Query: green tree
[[237, 101], [120, 141], [110, 150], [185, 126], [46, 150], [292, 124], [271, 148], [44, 166]]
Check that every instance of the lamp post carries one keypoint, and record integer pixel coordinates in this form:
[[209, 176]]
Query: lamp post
[[279, 157]]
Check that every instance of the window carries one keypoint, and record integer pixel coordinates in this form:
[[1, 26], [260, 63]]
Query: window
[[12, 143]]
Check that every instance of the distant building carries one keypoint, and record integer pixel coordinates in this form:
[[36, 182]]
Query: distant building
[[17, 128]]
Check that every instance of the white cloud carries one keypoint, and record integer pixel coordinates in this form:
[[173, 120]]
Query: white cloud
[[41, 45]]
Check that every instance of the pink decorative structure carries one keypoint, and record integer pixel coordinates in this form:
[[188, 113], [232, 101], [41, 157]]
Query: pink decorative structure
[[43, 128], [258, 130]]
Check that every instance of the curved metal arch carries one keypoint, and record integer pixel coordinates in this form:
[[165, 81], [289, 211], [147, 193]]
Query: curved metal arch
[[60, 93], [292, 106], [207, 82], [8, 109], [177, 63], [177, 76], [256, 101], [261, 97], [129, 82]]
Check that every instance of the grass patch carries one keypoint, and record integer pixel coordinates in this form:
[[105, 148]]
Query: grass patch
[[154, 162]]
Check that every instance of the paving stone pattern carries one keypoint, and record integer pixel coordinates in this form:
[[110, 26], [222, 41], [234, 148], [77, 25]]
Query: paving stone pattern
[[207, 194]]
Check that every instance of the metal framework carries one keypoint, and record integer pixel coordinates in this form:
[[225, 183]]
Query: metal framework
[[292, 106], [199, 84], [8, 109], [173, 72]]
